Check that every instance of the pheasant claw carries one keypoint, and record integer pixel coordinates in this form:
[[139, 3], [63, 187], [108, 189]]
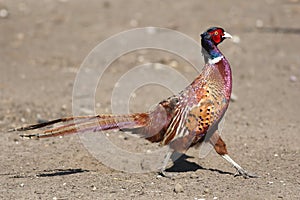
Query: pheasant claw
[[245, 174]]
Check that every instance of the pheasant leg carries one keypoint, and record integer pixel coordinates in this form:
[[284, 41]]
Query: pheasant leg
[[220, 148]]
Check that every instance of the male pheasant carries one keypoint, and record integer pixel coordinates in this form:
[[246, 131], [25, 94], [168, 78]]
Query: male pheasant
[[181, 121]]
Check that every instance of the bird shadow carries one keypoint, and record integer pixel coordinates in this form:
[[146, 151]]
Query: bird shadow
[[52, 173], [179, 165], [183, 165], [61, 172]]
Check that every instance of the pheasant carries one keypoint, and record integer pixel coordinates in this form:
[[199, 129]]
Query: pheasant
[[184, 120]]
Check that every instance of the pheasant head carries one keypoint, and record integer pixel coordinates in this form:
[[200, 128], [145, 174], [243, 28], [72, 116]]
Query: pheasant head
[[210, 40]]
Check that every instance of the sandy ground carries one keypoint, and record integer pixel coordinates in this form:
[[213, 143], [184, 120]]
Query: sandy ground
[[43, 44]]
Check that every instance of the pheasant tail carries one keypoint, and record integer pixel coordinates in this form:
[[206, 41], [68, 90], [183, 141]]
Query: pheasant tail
[[82, 124]]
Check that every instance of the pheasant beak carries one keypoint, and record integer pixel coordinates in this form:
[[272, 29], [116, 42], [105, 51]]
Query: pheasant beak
[[226, 35]]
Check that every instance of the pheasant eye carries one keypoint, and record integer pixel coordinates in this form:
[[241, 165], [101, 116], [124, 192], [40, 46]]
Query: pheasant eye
[[216, 32]]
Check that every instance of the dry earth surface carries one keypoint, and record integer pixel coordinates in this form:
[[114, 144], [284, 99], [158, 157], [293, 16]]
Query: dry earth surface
[[43, 44]]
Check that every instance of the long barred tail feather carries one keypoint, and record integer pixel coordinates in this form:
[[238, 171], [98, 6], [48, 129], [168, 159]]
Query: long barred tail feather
[[82, 124], [48, 123]]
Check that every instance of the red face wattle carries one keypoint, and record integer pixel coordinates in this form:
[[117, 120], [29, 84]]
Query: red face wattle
[[216, 35]]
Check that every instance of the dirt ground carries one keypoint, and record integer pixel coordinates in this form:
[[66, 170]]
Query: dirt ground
[[43, 44]]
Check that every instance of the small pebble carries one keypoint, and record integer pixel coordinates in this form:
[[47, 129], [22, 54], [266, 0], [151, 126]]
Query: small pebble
[[64, 107], [259, 23], [98, 105], [134, 23], [122, 137], [148, 151], [94, 188], [133, 95], [20, 36], [178, 188], [235, 39], [234, 97], [3, 13], [206, 191], [141, 59], [151, 30], [173, 63], [28, 110], [293, 78], [22, 184]]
